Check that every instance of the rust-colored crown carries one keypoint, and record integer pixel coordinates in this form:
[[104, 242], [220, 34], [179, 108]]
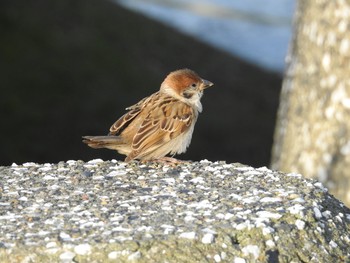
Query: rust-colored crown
[[180, 79]]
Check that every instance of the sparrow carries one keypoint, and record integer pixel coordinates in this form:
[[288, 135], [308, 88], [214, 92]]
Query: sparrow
[[160, 124]]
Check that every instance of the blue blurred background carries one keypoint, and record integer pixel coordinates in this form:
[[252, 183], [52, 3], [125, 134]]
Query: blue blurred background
[[257, 31]]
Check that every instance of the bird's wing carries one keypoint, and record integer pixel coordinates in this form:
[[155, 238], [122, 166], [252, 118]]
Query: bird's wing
[[133, 111], [166, 120]]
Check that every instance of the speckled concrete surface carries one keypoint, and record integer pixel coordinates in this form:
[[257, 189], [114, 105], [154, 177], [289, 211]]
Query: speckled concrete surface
[[194, 212]]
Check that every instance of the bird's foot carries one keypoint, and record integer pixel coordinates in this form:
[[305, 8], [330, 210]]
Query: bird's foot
[[167, 160]]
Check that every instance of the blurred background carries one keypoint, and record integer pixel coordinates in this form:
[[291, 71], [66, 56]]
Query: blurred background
[[70, 68]]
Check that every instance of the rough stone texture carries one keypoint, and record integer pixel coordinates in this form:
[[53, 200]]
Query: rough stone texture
[[312, 136], [194, 212]]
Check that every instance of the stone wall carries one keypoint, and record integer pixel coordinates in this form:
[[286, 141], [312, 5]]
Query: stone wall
[[111, 211]]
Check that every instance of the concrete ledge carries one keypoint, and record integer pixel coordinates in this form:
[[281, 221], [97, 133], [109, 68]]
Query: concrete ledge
[[195, 212]]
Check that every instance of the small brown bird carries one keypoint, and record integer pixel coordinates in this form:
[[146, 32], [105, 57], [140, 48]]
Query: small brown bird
[[160, 124]]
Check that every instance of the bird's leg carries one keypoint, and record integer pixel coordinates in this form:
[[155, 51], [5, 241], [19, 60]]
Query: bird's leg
[[169, 160]]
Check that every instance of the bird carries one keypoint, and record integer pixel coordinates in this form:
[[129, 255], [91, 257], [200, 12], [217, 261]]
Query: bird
[[160, 124]]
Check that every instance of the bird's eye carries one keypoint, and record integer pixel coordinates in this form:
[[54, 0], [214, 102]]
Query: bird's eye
[[194, 85]]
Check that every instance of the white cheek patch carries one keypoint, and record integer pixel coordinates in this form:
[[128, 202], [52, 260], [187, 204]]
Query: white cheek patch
[[193, 101]]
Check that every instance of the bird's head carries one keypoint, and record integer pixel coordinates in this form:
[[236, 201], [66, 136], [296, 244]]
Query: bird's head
[[185, 85]]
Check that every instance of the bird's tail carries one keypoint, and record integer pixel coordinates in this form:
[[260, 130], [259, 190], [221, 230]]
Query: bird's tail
[[110, 142]]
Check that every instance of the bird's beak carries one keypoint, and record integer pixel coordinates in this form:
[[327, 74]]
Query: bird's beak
[[206, 84]]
